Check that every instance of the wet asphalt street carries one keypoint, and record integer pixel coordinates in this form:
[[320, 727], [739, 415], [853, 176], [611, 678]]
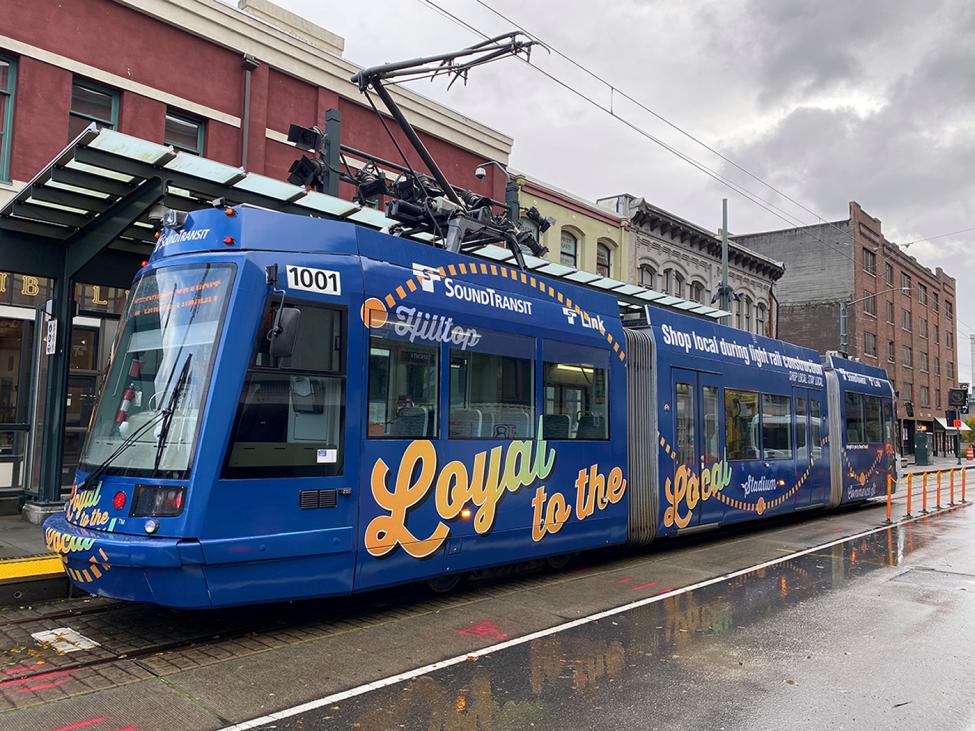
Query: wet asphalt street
[[876, 632], [821, 620]]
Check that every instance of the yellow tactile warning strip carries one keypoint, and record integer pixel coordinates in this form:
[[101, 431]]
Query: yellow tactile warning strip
[[759, 506], [515, 275], [30, 567]]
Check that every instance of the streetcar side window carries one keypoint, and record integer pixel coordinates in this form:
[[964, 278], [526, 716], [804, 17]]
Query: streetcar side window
[[492, 389], [291, 413], [575, 393], [873, 419], [712, 434], [404, 378], [741, 424], [776, 426], [684, 422], [855, 432], [802, 448], [815, 428]]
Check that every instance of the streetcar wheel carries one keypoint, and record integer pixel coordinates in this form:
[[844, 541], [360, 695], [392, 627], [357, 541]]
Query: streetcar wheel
[[559, 562], [444, 584]]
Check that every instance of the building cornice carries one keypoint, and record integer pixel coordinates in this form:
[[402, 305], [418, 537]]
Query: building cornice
[[235, 29], [567, 200], [656, 220]]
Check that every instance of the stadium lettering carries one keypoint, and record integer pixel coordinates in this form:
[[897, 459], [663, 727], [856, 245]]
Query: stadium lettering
[[687, 490]]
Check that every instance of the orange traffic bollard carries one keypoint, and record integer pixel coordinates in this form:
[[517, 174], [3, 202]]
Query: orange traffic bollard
[[937, 501], [910, 485], [924, 494], [889, 481], [951, 489]]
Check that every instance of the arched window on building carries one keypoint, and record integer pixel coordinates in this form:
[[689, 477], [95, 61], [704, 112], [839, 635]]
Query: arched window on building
[[648, 276], [678, 284], [739, 311], [747, 305], [569, 254], [668, 281], [697, 292], [761, 317], [603, 260]]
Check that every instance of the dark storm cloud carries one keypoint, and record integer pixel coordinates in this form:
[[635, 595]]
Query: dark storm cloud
[[793, 48], [913, 155]]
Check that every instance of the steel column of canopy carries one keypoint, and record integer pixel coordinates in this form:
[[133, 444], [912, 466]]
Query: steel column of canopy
[[80, 250]]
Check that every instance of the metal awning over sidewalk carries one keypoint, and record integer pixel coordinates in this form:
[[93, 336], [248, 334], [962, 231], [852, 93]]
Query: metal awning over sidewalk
[[943, 423], [85, 218]]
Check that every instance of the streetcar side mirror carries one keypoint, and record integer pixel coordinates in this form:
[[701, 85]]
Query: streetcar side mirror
[[284, 332]]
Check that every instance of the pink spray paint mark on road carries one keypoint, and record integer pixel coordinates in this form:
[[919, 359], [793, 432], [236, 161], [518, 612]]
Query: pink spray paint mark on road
[[640, 587], [624, 580], [81, 724], [485, 629], [35, 678]]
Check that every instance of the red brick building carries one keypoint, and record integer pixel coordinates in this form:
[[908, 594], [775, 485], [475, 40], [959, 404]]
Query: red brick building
[[901, 315], [202, 76]]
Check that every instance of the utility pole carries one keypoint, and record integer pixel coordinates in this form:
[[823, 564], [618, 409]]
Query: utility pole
[[725, 299], [972, 338], [843, 336]]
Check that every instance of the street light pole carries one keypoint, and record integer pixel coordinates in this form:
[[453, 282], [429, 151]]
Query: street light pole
[[843, 329], [725, 298]]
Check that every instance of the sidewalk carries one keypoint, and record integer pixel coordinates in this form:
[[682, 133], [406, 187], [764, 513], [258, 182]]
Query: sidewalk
[[938, 463], [28, 571]]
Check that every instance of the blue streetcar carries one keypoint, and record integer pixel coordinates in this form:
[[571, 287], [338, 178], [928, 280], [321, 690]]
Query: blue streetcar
[[301, 407]]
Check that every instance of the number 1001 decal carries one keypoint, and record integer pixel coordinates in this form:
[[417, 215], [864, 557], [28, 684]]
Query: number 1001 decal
[[322, 281]]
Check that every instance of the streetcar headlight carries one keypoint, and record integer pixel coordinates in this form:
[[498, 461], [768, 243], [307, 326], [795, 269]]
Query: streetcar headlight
[[157, 500]]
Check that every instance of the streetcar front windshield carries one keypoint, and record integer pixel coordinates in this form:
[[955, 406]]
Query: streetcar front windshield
[[152, 399]]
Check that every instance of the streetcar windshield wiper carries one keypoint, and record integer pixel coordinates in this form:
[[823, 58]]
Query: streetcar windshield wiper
[[170, 410], [123, 445]]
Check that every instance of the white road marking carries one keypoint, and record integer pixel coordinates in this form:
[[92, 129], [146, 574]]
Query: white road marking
[[432, 667], [64, 639]]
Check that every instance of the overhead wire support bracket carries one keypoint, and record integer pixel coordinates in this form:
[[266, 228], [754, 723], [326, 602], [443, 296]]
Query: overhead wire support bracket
[[470, 217]]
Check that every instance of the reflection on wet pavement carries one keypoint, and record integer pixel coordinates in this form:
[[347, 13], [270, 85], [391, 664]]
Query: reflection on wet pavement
[[704, 658]]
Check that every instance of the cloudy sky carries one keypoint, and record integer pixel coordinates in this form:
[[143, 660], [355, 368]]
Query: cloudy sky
[[829, 101]]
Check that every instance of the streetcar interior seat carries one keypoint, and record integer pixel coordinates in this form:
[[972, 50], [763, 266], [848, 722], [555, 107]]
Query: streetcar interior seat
[[487, 423], [556, 426], [512, 423], [411, 421], [591, 427], [465, 423]]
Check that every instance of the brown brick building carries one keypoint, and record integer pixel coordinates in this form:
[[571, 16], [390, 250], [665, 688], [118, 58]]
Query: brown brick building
[[901, 315]]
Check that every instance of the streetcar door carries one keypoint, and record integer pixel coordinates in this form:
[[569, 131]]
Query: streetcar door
[[810, 451], [291, 461], [698, 429], [803, 452]]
